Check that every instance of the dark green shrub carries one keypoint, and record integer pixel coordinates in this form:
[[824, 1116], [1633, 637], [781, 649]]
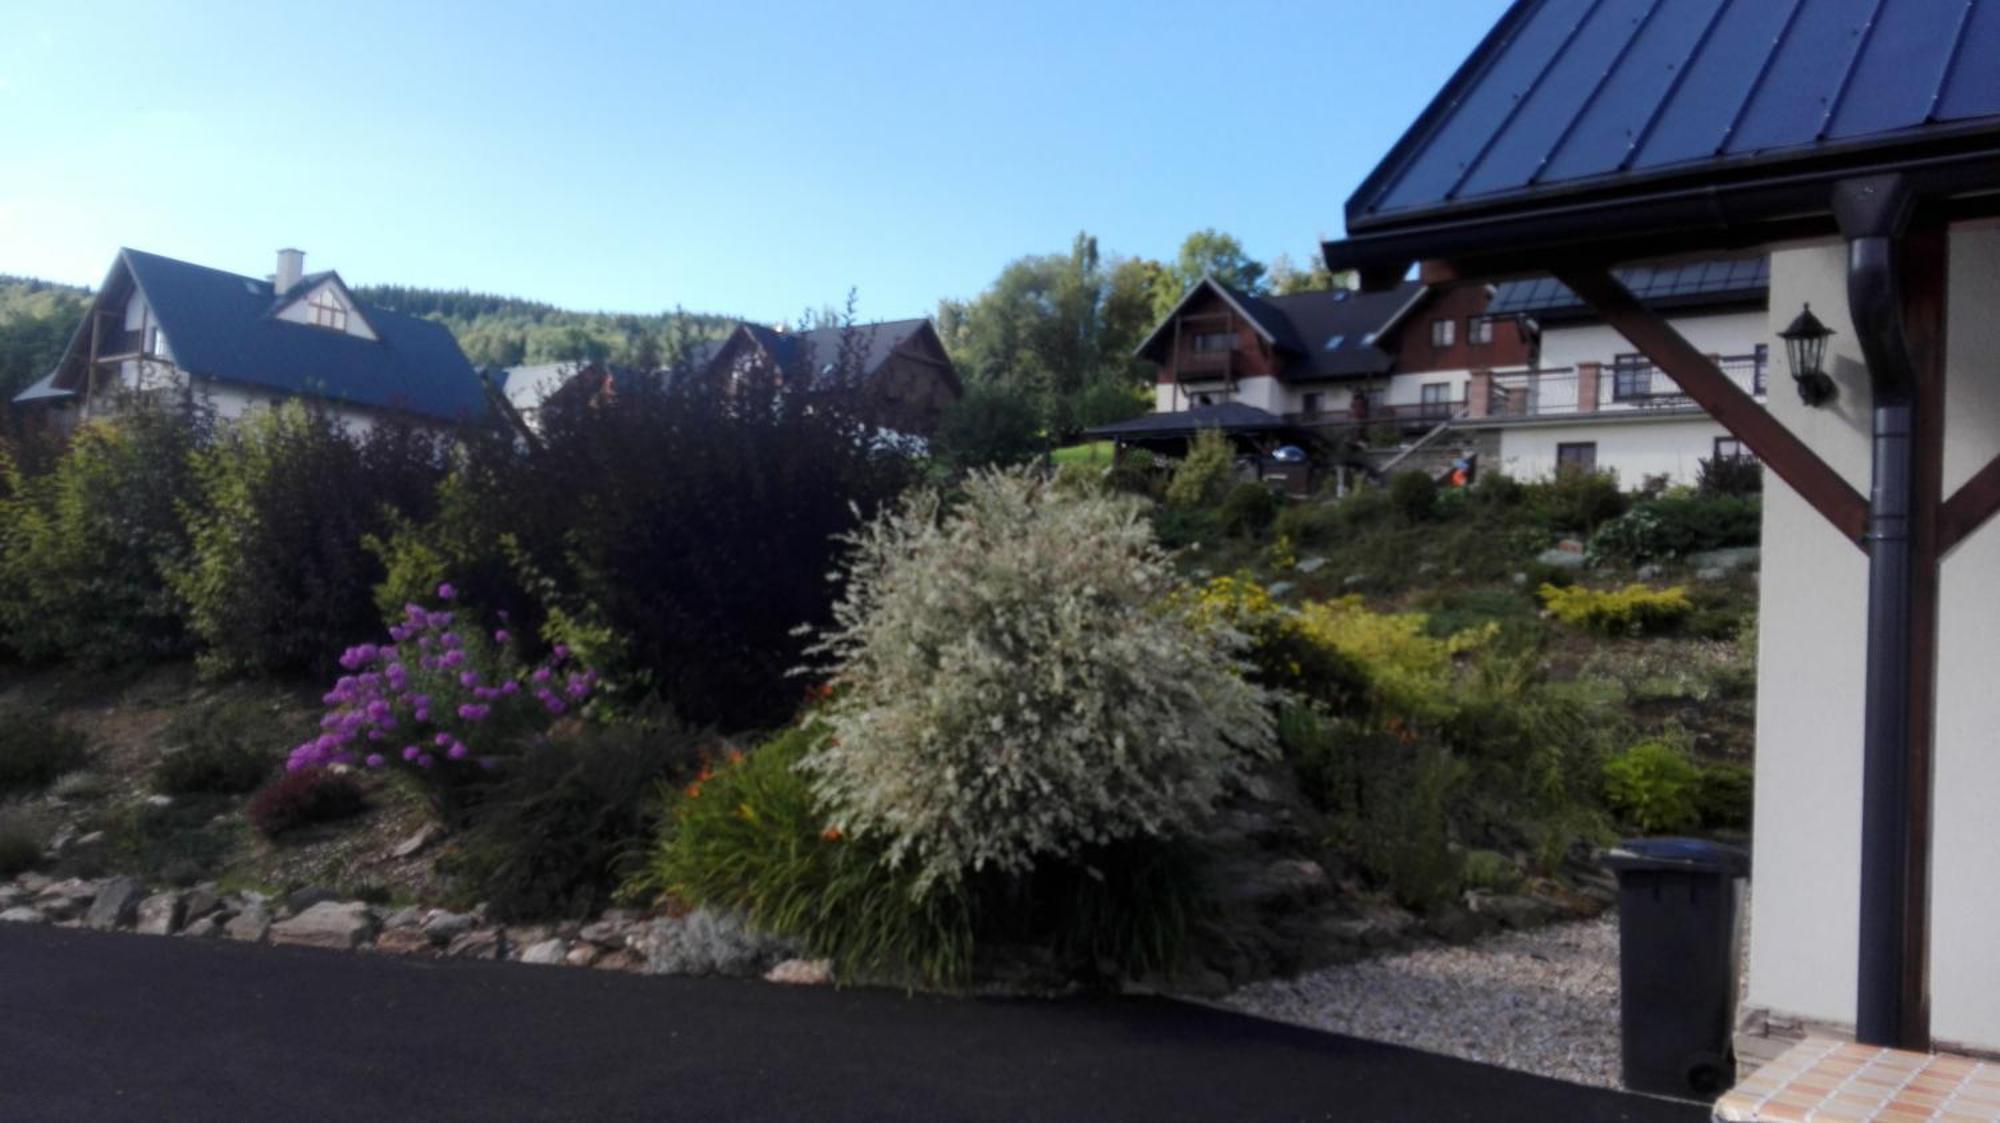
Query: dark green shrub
[[1137, 472], [224, 749], [1497, 490], [1204, 472], [1364, 507], [24, 837], [675, 535], [993, 424], [278, 580], [1414, 495], [1577, 502], [1491, 870], [1311, 523], [1730, 475], [84, 549], [554, 835], [1248, 510], [1668, 528], [1177, 527], [1652, 788], [303, 798], [34, 751], [1723, 796]]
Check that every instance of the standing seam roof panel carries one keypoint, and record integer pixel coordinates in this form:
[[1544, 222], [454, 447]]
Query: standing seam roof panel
[[1807, 73], [1443, 160], [1694, 124], [1605, 135], [1972, 88], [1899, 69]]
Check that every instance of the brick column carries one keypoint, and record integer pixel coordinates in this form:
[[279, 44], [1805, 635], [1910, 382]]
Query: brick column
[[1586, 387], [1479, 394]]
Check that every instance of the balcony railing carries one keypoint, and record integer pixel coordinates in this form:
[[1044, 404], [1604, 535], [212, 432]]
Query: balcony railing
[[1204, 363], [1620, 388]]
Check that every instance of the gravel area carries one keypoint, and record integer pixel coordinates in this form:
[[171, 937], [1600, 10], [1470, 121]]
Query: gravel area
[[1543, 1001]]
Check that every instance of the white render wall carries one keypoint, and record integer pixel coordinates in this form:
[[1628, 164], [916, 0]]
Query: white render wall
[[1727, 333], [1656, 446], [1262, 391], [1813, 635], [232, 402]]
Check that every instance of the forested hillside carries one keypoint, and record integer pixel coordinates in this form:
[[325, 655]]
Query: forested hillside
[[36, 319], [508, 331]]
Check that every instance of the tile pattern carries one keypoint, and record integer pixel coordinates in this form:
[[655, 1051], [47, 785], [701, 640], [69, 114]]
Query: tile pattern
[[1826, 1081]]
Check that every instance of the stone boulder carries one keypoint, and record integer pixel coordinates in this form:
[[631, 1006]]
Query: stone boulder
[[116, 904], [22, 914], [404, 940], [161, 914], [339, 925], [801, 972], [444, 927], [251, 925], [547, 953]]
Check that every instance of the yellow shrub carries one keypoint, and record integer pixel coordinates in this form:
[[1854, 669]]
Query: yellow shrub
[[1631, 611]]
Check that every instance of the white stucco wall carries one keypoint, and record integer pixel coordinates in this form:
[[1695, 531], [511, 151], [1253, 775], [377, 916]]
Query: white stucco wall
[[1408, 389], [232, 402], [1262, 391], [1811, 671], [1656, 446], [1728, 333]]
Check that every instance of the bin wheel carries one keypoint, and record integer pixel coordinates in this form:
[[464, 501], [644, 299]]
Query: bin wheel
[[1707, 1074]]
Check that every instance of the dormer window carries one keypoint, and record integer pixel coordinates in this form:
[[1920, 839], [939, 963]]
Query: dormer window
[[327, 310]]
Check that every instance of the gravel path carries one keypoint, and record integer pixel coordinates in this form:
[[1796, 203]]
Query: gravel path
[[1543, 1001]]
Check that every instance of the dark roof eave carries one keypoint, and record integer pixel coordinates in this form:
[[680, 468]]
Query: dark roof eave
[[1620, 222]]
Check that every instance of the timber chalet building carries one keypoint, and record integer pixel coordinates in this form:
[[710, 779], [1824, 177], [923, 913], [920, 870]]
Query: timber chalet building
[[1521, 373]]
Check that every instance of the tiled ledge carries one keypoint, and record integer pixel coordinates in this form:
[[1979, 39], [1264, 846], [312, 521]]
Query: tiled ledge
[[1822, 1080]]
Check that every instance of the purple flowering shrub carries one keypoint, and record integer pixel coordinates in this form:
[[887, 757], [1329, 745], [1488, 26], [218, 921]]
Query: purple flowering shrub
[[444, 696]]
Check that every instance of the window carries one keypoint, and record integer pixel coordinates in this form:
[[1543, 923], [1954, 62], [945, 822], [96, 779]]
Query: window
[[1631, 378], [1436, 398], [1334, 343], [1578, 457], [1478, 330], [327, 310], [1215, 341], [1444, 332], [1312, 404], [1729, 448]]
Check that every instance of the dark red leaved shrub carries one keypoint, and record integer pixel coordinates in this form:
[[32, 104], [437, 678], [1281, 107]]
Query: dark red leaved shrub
[[297, 799]]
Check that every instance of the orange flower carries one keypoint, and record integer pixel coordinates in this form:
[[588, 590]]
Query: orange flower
[[693, 791], [736, 756], [832, 834]]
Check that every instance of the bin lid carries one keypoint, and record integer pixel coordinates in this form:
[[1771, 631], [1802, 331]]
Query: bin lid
[[1687, 855]]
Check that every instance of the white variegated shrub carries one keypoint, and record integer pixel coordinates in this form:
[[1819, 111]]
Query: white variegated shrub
[[1011, 682]]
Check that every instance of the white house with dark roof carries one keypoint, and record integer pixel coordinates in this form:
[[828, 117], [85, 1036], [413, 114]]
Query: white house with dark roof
[[160, 327]]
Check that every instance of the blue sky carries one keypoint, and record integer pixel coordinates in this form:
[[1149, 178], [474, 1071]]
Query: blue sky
[[748, 158]]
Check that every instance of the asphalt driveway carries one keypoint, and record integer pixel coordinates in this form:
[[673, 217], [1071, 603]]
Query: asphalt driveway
[[102, 1027]]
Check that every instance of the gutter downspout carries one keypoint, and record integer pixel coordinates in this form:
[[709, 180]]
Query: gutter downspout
[[1873, 214]]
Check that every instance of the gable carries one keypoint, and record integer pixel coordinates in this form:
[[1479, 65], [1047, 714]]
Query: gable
[[327, 306]]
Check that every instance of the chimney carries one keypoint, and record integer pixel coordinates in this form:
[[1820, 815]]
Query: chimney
[[291, 266]]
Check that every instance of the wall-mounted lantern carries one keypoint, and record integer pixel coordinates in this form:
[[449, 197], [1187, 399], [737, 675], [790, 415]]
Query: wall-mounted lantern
[[1805, 351]]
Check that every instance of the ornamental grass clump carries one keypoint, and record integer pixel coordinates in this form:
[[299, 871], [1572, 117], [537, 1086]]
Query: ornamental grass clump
[[442, 697], [1014, 684]]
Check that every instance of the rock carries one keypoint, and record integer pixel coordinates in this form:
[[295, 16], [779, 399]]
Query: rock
[[444, 927], [607, 933], [1280, 588], [411, 846], [299, 900], [1311, 565], [1455, 924], [583, 955], [801, 972], [1519, 579], [404, 941], [159, 801], [1649, 572], [1710, 573], [1559, 558], [203, 928], [34, 882], [1514, 911], [22, 914], [546, 953], [200, 901], [86, 841], [339, 925], [11, 895], [409, 916], [1265, 885], [161, 914], [115, 904], [1354, 581], [621, 960], [1726, 561], [480, 943], [251, 925]]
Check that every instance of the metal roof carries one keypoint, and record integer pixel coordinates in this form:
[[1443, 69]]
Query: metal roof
[[220, 325], [821, 347], [1696, 284], [1230, 417], [43, 389], [1567, 93]]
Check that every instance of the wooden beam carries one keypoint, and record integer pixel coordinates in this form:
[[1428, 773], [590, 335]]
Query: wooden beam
[[1780, 450], [1975, 501]]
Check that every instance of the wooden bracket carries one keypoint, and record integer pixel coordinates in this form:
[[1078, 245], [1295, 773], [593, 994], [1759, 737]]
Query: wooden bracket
[[1975, 501], [1778, 447]]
